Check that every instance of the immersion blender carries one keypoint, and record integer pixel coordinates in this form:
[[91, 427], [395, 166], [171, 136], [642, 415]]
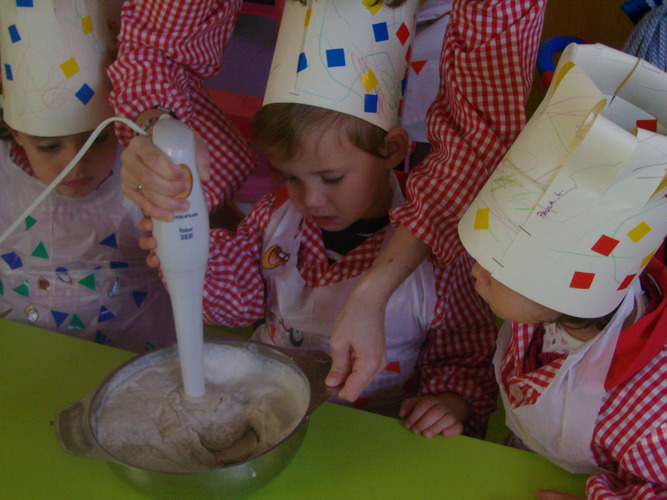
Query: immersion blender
[[182, 247]]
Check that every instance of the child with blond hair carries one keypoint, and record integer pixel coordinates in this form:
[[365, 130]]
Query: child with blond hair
[[329, 125]]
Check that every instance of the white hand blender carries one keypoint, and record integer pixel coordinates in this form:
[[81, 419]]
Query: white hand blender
[[182, 247]]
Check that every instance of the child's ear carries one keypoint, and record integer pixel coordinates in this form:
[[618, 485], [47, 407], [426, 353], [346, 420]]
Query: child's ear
[[395, 146]]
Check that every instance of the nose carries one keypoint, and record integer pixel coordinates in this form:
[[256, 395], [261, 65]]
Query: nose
[[313, 196], [71, 152]]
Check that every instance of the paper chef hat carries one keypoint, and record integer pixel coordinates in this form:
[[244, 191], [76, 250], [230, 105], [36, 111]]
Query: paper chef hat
[[350, 56], [54, 54], [578, 206]]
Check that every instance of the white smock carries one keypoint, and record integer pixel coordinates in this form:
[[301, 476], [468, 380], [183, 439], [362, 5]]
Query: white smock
[[75, 265], [560, 424], [303, 316]]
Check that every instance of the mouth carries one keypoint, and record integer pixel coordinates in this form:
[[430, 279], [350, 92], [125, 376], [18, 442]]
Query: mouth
[[77, 183], [323, 220]]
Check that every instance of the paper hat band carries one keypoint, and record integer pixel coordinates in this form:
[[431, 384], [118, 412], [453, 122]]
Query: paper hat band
[[54, 55], [350, 56], [578, 205]]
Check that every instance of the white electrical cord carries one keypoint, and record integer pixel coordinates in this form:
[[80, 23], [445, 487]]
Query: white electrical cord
[[67, 169]]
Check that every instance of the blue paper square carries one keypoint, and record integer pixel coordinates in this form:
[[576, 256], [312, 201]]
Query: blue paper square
[[85, 93], [24, 3], [381, 32], [335, 58], [303, 62], [371, 103], [14, 33], [8, 72]]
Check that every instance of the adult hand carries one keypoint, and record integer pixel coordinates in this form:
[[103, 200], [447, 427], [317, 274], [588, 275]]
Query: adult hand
[[152, 181], [554, 495], [358, 348], [433, 415]]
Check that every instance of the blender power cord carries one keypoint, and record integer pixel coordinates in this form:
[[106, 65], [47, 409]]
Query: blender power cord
[[67, 169]]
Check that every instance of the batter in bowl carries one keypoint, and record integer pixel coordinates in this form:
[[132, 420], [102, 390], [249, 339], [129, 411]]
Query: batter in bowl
[[251, 403]]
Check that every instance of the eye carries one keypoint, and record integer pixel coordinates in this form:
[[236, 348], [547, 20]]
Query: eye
[[290, 178], [332, 180], [103, 137], [49, 148]]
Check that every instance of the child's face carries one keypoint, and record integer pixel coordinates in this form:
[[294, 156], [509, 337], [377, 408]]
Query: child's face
[[48, 156], [508, 304], [335, 183]]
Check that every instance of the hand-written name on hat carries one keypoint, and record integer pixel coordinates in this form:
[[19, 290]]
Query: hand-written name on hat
[[550, 205]]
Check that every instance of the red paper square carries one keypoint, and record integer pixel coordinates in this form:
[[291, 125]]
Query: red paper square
[[403, 34], [605, 245], [650, 125], [626, 282], [582, 280]]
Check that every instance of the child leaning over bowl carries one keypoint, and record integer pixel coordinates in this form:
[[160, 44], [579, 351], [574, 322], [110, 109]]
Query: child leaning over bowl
[[563, 233], [75, 265], [300, 251]]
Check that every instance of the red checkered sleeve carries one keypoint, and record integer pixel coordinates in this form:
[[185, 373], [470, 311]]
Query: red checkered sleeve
[[165, 51], [459, 352], [486, 71], [630, 438], [234, 289]]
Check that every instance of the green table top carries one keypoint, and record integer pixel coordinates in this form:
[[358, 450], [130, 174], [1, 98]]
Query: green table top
[[347, 453]]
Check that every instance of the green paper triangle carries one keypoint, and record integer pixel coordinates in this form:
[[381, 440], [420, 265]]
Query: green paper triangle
[[29, 222], [23, 289], [76, 323], [40, 251], [88, 281], [2, 288]]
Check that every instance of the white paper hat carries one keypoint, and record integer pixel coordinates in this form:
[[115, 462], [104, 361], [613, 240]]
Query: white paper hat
[[54, 54], [350, 56], [578, 206]]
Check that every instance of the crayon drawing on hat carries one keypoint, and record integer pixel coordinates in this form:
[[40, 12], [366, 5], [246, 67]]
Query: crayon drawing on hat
[[352, 57], [53, 59], [578, 206]]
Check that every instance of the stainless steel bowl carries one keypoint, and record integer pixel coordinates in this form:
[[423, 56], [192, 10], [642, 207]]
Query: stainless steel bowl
[[76, 429]]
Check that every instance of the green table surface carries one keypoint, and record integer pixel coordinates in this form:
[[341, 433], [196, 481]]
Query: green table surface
[[347, 453]]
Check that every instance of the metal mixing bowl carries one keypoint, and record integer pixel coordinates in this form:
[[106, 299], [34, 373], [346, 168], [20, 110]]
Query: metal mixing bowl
[[76, 429]]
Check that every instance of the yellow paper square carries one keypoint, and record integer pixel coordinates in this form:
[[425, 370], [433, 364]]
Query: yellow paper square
[[368, 80], [482, 219], [647, 259], [306, 22], [372, 6], [639, 232], [70, 67], [87, 24]]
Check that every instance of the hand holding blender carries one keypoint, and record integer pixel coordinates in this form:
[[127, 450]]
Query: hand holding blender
[[182, 247]]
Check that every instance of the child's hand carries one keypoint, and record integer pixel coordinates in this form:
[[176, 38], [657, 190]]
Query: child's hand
[[433, 415], [148, 241]]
